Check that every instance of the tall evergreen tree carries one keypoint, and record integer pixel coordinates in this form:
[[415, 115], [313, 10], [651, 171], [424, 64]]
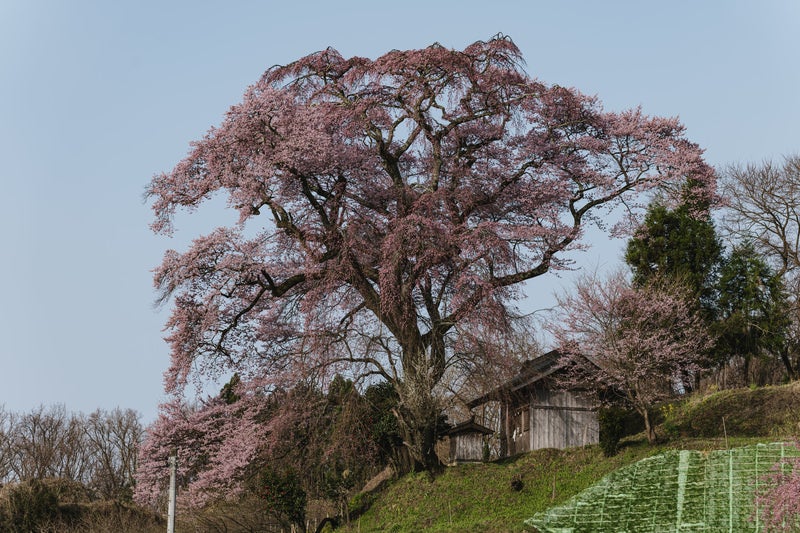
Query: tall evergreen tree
[[751, 308], [678, 243]]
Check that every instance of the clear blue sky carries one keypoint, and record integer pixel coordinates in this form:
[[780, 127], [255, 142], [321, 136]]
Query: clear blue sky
[[96, 97]]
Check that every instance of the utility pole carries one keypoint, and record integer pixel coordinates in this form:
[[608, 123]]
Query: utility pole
[[173, 467]]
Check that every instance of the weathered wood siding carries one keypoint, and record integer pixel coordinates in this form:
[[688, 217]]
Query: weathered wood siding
[[519, 429], [466, 447], [561, 419], [550, 419]]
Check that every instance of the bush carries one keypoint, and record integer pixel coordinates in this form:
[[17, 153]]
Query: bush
[[62, 505], [284, 496], [359, 503], [28, 506], [612, 429], [118, 517]]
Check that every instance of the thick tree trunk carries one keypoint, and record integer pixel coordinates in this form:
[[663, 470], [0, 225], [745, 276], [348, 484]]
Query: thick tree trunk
[[419, 412], [418, 427], [418, 417]]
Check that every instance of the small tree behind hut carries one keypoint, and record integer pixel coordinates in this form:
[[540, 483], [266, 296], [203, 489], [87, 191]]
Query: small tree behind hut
[[633, 345]]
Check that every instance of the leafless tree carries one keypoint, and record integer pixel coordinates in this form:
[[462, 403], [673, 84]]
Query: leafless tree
[[113, 438], [98, 450], [6, 448], [48, 442], [764, 208]]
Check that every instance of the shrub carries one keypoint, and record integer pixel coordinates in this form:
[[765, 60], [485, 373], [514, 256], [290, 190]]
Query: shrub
[[360, 502], [284, 496], [28, 506], [612, 429]]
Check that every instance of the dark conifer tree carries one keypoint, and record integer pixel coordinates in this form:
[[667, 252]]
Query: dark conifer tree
[[677, 243], [751, 308]]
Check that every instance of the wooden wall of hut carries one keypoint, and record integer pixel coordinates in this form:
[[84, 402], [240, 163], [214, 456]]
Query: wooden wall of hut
[[545, 418]]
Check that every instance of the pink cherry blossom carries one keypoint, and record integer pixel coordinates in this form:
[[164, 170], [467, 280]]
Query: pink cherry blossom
[[400, 200]]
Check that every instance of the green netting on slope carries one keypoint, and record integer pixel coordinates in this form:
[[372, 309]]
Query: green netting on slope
[[679, 491]]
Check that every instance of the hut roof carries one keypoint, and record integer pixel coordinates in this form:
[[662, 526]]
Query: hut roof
[[470, 426], [531, 371]]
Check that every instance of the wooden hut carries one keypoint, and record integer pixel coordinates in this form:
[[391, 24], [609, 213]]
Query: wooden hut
[[467, 441], [534, 413]]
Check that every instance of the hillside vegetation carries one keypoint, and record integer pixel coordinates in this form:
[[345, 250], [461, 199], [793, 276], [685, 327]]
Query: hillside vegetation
[[754, 412], [500, 496]]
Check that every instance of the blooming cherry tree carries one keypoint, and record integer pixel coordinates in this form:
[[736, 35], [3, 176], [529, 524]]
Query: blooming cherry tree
[[385, 206], [214, 445], [779, 499], [631, 345]]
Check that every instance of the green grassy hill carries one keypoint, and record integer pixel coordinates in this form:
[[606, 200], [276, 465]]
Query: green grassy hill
[[480, 497]]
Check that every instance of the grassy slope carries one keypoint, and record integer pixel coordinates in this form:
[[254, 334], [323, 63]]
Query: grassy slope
[[479, 497], [764, 411]]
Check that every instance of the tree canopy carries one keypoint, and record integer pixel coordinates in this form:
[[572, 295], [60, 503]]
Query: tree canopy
[[404, 199], [676, 243]]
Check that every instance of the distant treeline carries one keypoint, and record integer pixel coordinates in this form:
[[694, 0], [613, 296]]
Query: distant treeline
[[98, 450]]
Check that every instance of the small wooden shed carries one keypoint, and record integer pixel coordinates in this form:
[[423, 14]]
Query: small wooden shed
[[467, 441], [535, 413]]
